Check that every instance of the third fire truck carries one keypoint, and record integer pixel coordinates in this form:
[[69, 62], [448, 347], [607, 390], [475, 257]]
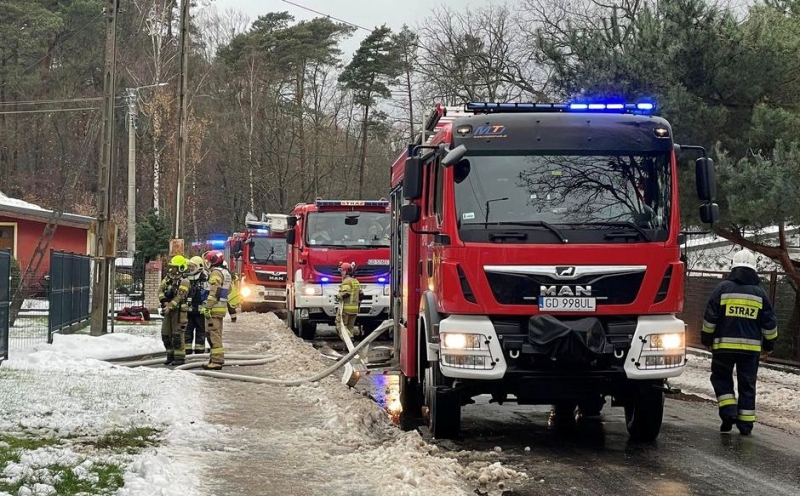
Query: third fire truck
[[258, 256], [324, 234], [535, 258]]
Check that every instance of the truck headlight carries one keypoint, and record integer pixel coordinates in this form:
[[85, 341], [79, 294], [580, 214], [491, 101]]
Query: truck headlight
[[246, 291], [461, 341], [671, 341], [312, 290]]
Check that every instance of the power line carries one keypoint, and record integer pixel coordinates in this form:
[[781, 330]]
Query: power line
[[327, 15], [45, 111], [26, 103]]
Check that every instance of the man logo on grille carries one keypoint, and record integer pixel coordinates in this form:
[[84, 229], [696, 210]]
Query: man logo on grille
[[565, 271]]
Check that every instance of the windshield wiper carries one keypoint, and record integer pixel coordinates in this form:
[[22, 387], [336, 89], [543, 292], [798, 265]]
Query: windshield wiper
[[536, 223], [639, 231]]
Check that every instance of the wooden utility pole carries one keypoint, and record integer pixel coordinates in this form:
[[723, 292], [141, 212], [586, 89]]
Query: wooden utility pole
[[183, 118], [105, 239]]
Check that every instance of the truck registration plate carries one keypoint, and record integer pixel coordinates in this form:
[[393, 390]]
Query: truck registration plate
[[273, 292], [566, 304]]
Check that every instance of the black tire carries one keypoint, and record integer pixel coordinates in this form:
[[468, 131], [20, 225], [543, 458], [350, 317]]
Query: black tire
[[411, 403], [308, 330], [289, 320], [644, 413], [444, 404], [562, 416]]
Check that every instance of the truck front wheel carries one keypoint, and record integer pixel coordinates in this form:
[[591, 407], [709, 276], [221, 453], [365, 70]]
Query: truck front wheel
[[644, 413], [444, 404], [410, 402]]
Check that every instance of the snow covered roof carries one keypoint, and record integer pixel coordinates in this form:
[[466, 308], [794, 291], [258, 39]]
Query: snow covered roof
[[14, 207]]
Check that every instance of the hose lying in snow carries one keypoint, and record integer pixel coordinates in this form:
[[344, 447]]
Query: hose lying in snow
[[194, 361], [262, 359], [297, 382]]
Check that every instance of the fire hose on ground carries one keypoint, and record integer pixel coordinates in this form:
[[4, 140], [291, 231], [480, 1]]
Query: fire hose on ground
[[246, 360]]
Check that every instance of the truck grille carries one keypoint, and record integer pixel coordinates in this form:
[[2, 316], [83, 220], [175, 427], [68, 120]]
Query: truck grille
[[362, 271], [271, 277], [523, 289]]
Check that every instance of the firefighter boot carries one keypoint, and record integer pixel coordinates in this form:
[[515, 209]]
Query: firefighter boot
[[170, 358], [727, 425], [745, 428], [211, 366]]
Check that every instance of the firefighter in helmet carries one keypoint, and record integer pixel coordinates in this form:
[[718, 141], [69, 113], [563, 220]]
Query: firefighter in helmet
[[195, 333], [172, 295], [216, 306], [739, 325], [234, 297], [349, 294]]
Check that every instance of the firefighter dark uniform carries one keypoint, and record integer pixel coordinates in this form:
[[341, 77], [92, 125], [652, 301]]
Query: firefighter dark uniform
[[172, 295], [215, 307], [739, 323], [349, 294], [195, 334]]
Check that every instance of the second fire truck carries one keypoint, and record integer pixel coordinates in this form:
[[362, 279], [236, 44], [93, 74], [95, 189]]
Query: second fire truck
[[324, 234]]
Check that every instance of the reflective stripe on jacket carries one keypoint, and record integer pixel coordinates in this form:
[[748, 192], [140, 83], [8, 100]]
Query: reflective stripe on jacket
[[219, 282], [739, 316], [349, 294]]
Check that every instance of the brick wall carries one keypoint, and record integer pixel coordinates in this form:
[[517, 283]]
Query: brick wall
[[152, 278]]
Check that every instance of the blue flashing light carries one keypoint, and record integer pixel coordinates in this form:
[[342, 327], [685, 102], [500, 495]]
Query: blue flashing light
[[217, 243], [642, 107], [262, 231], [325, 279], [381, 279]]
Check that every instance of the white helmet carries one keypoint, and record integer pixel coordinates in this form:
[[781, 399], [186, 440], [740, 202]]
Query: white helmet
[[744, 258]]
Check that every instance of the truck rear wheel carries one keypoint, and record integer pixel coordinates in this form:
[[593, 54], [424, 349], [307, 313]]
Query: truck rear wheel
[[644, 413], [444, 404]]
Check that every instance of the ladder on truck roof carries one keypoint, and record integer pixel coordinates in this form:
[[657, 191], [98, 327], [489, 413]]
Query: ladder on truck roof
[[440, 116]]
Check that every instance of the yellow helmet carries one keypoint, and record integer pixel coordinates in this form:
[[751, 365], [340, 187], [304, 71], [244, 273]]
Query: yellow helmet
[[198, 260], [180, 262]]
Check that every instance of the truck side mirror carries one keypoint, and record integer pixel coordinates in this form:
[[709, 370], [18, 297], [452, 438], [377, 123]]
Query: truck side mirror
[[709, 213], [704, 177], [291, 221], [290, 237], [410, 213], [412, 179]]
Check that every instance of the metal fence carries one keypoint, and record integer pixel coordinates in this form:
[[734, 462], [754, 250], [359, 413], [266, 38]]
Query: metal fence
[[5, 300], [69, 292], [127, 282], [700, 284]]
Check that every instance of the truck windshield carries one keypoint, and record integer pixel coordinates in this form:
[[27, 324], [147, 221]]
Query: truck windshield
[[330, 229], [271, 251], [593, 191]]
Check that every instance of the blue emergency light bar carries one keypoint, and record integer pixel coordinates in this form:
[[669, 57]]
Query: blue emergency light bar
[[643, 107], [352, 203]]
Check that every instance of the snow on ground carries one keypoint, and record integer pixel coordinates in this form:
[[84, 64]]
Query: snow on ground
[[777, 402], [358, 433], [65, 393]]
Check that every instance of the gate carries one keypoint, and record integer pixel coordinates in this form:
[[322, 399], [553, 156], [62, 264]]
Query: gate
[[69, 292], [5, 301]]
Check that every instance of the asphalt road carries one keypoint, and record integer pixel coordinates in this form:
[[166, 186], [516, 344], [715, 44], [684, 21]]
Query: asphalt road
[[690, 457], [597, 458]]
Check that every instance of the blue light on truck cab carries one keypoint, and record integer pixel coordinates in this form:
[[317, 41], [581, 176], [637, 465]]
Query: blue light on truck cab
[[217, 242], [382, 279], [325, 279], [641, 107]]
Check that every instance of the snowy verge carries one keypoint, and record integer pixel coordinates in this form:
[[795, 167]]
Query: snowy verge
[[65, 393]]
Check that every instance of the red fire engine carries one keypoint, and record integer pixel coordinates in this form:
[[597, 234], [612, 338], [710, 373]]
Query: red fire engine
[[324, 234], [258, 256], [535, 258]]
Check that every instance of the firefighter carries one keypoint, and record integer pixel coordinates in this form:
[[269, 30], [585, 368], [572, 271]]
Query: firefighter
[[216, 306], [172, 295], [349, 294], [195, 333], [234, 297], [739, 324]]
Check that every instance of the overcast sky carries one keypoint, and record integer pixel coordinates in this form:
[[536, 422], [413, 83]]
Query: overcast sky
[[366, 13]]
